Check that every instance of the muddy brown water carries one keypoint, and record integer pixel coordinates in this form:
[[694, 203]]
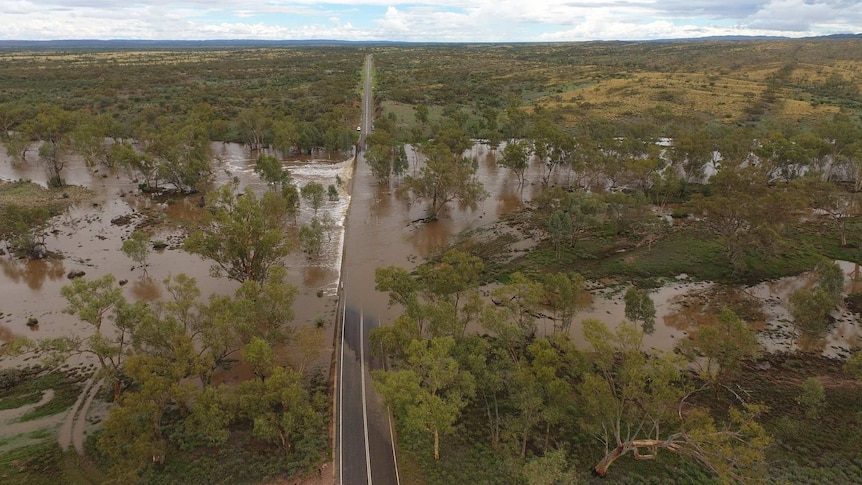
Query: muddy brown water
[[382, 219], [381, 231]]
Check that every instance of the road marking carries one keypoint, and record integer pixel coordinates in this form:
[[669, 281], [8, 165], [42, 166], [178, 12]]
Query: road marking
[[392, 440], [364, 402], [341, 397]]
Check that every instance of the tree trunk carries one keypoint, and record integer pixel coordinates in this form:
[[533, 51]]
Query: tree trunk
[[436, 445], [602, 468]]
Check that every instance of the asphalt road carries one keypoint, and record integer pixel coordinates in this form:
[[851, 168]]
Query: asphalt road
[[364, 452]]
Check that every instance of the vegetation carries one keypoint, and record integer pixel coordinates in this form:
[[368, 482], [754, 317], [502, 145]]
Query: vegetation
[[733, 162], [244, 235]]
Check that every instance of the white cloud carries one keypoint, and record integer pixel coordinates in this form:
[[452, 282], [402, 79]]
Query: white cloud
[[424, 20]]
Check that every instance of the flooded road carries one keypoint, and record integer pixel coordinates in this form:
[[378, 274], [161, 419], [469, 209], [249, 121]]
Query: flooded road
[[382, 231], [90, 242]]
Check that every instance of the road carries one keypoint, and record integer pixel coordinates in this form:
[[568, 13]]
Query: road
[[367, 104], [364, 451]]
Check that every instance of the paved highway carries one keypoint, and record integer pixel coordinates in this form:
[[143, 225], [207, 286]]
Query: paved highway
[[364, 450]]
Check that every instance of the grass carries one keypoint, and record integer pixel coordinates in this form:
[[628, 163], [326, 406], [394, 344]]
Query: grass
[[29, 388], [16, 401], [26, 193], [66, 390]]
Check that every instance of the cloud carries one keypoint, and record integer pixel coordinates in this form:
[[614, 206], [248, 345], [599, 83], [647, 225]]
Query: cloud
[[424, 20]]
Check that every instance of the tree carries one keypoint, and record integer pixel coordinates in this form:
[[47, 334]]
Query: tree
[[812, 397], [17, 144], [431, 391], [134, 432], [311, 237], [440, 299], [810, 308], [491, 369], [520, 297], [636, 402], [743, 212], [550, 469], [88, 138], [181, 153], [563, 294], [446, 177], [640, 308], [379, 158], [585, 211], [254, 127], [243, 235], [53, 125], [421, 112], [23, 229], [559, 229], [281, 408], [399, 163], [313, 193], [718, 350], [332, 193], [291, 197], [91, 302], [516, 157], [137, 248], [541, 392], [272, 172], [832, 201]]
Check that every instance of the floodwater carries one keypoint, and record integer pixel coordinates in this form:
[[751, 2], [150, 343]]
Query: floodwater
[[382, 230], [90, 242], [380, 218]]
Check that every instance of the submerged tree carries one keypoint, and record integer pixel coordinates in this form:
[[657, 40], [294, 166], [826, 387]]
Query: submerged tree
[[243, 234], [640, 308], [137, 248], [718, 350], [446, 177], [23, 229]]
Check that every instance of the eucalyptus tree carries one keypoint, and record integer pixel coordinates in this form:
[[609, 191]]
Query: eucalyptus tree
[[633, 401], [430, 391], [516, 157], [446, 177], [181, 153], [743, 212], [53, 126], [243, 234]]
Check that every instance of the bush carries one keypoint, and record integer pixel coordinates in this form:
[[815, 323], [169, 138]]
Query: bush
[[812, 397]]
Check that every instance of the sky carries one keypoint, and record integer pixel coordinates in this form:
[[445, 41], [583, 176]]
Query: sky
[[424, 21]]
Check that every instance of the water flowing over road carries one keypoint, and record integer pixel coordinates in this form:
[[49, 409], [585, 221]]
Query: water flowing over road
[[365, 451]]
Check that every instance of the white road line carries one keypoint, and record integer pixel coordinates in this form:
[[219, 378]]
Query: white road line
[[341, 397], [364, 402], [392, 440]]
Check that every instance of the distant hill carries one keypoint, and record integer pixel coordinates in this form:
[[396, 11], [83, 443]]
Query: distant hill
[[248, 43], [175, 44]]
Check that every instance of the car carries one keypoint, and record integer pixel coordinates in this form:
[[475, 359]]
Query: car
[[358, 128]]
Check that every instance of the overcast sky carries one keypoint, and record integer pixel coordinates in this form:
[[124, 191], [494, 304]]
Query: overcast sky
[[431, 20]]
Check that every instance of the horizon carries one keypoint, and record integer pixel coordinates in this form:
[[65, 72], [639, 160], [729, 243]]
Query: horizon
[[424, 21]]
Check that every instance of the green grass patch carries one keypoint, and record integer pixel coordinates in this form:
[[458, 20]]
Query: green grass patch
[[16, 401], [29, 389], [66, 391], [32, 465]]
